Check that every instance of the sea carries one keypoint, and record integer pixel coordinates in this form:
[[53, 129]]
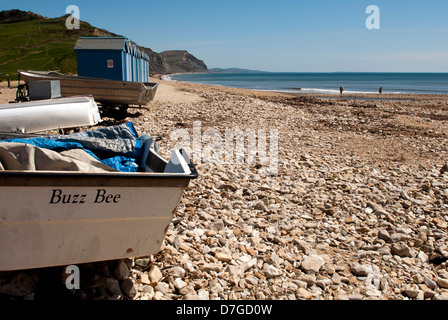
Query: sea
[[325, 83]]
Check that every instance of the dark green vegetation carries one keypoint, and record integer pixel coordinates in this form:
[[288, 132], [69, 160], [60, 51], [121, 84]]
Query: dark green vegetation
[[40, 44]]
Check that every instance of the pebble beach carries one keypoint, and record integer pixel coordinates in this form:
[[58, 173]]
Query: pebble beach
[[357, 208]]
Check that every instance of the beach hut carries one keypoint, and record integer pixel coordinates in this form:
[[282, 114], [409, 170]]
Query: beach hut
[[114, 58]]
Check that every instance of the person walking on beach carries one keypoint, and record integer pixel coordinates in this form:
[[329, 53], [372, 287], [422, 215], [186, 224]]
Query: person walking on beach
[[381, 90], [341, 88]]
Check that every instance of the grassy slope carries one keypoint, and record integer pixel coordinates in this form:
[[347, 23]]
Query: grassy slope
[[43, 44]]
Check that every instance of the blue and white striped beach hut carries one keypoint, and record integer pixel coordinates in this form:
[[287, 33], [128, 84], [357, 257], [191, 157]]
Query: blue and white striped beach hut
[[115, 58]]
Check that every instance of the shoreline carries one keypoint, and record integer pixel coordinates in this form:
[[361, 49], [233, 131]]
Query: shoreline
[[346, 96], [361, 95]]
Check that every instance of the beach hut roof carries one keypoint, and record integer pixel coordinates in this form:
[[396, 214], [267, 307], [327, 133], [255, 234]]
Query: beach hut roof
[[111, 43], [100, 43]]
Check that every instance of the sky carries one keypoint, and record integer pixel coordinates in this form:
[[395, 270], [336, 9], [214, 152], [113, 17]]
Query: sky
[[278, 36]]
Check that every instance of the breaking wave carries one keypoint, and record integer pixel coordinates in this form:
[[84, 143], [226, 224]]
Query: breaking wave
[[167, 77]]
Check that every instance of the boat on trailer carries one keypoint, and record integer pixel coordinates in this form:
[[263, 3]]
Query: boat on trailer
[[109, 93]]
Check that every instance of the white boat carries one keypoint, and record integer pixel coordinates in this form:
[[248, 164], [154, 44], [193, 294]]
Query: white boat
[[43, 115], [50, 218]]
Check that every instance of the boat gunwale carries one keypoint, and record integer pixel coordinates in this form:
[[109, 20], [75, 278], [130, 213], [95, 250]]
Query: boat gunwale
[[21, 178], [31, 74]]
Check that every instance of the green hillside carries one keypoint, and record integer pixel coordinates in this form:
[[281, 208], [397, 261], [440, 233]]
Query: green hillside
[[40, 44]]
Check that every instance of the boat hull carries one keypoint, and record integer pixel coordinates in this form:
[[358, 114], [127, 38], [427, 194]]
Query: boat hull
[[42, 115], [63, 218], [103, 90]]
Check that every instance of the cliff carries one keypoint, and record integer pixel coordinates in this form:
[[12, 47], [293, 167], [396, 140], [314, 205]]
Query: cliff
[[181, 61], [157, 64]]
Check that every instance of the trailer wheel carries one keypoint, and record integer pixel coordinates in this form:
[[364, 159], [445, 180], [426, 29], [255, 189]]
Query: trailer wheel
[[121, 112], [22, 93], [116, 111]]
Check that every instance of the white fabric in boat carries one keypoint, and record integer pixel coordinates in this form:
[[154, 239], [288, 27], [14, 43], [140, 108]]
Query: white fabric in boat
[[22, 156]]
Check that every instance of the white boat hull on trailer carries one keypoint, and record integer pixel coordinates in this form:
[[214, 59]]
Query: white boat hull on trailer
[[43, 115], [103, 90]]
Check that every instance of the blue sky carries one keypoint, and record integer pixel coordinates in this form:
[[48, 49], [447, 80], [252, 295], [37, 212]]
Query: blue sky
[[282, 35]]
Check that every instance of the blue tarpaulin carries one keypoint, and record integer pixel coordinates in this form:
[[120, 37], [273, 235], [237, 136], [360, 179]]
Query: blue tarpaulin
[[115, 146]]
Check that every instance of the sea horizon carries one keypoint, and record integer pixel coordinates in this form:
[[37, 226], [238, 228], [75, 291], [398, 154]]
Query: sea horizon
[[325, 82]]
